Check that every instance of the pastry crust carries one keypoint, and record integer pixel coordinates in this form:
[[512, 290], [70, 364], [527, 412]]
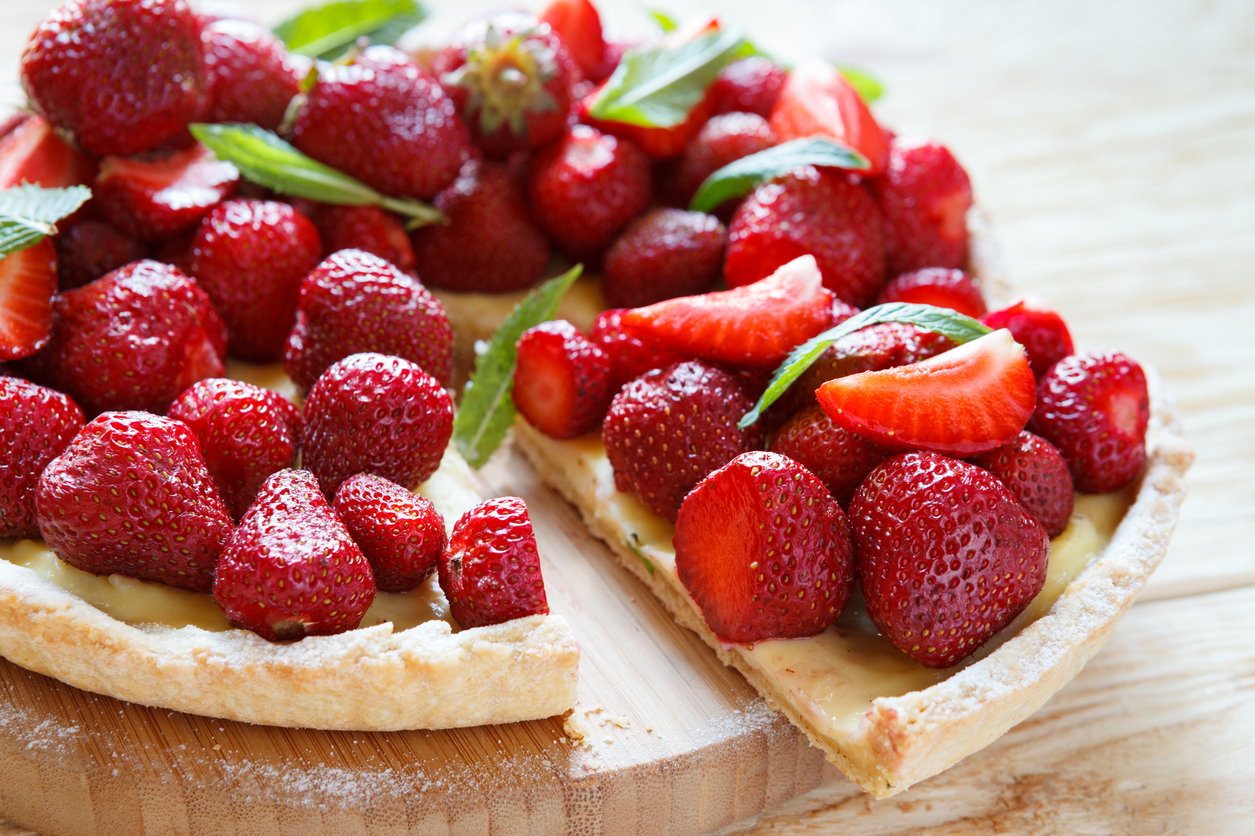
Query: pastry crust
[[370, 679]]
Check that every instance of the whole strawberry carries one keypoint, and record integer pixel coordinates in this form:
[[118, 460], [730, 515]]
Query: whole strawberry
[[251, 75], [764, 550], [135, 339], [88, 250], [37, 424], [291, 569], [245, 433], [401, 534], [152, 199], [1095, 407], [810, 211], [722, 140], [511, 76], [491, 243], [1034, 470], [367, 228], [632, 352], [372, 413], [123, 76], [385, 121], [585, 186], [669, 428], [662, 254], [946, 555], [838, 457], [751, 85], [251, 256], [131, 496], [354, 302], [561, 380], [937, 286], [1038, 328], [490, 571], [924, 197]]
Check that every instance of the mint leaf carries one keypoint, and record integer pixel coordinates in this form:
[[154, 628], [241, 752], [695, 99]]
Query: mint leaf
[[956, 326], [664, 21], [264, 158], [656, 87], [744, 175], [29, 213], [487, 410], [868, 87], [327, 30]]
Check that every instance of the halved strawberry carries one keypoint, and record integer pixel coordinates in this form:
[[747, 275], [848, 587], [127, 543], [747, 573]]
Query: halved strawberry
[[578, 25], [152, 199], [28, 281], [561, 380], [968, 400], [33, 153], [817, 99], [751, 327]]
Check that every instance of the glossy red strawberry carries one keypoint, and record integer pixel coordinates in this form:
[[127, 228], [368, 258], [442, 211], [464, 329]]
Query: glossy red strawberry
[[1095, 408], [939, 286], [354, 302], [130, 495], [385, 121], [88, 250], [511, 77], [28, 281], [946, 555], [585, 186], [632, 352], [561, 380], [752, 327], [291, 569], [924, 196], [252, 77], [810, 212], [667, 429], [123, 76], [401, 534], [491, 243], [245, 433], [1038, 328], [151, 199], [251, 256], [722, 140], [751, 85], [578, 25], [366, 228], [135, 339], [663, 254], [817, 100], [838, 457], [1034, 470], [372, 413], [764, 550], [490, 571], [33, 153], [968, 400], [37, 424]]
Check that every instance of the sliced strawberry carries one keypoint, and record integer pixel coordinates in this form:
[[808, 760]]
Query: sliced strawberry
[[750, 327], [28, 281], [561, 380], [33, 153], [579, 27], [152, 199], [968, 400], [817, 99]]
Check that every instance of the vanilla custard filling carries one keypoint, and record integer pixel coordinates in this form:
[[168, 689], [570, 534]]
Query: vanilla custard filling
[[451, 489], [833, 676]]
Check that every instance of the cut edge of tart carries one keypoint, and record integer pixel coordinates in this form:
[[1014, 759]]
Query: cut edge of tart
[[901, 740], [374, 678]]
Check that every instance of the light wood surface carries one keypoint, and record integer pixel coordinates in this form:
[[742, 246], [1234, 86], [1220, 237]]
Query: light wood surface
[[1112, 145]]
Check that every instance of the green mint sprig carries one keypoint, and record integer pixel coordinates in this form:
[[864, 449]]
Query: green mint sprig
[[657, 87], [958, 327], [744, 175], [30, 213], [264, 158], [487, 409], [329, 29]]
